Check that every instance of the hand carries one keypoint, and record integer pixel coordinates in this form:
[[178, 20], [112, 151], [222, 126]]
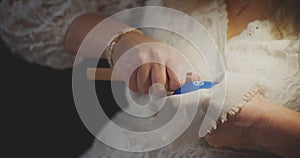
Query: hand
[[149, 63]]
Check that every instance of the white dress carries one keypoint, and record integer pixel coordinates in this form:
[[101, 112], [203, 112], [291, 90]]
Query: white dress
[[255, 51]]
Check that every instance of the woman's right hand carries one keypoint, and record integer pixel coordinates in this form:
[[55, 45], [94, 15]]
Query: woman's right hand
[[168, 68], [145, 75]]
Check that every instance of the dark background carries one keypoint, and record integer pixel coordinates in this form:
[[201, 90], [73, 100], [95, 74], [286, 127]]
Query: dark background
[[38, 111]]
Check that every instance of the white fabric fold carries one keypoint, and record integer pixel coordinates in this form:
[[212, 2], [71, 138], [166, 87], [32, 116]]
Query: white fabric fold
[[201, 109]]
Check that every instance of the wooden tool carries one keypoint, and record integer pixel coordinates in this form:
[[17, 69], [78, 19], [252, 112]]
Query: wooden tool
[[99, 74]]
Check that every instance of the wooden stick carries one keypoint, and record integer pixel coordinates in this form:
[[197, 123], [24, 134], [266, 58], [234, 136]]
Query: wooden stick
[[99, 74]]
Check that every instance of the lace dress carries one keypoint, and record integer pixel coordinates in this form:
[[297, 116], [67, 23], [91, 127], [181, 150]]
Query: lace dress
[[35, 31]]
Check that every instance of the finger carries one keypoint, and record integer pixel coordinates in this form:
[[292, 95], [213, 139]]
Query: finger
[[132, 83], [144, 78], [196, 77], [192, 77], [158, 75], [176, 71], [173, 82]]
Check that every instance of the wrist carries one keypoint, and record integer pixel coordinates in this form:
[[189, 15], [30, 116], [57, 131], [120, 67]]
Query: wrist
[[128, 41]]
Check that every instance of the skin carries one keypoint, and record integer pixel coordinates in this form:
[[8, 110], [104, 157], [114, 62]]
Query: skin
[[240, 14], [260, 123], [145, 75]]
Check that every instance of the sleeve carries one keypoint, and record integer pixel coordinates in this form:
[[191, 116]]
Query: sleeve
[[35, 29]]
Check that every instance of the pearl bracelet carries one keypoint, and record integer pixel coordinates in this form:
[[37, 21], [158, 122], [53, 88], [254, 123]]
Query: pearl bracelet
[[113, 41]]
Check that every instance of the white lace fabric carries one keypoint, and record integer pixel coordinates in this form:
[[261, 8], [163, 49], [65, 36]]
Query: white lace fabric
[[35, 29], [276, 62]]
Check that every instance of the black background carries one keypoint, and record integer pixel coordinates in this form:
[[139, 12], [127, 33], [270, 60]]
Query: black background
[[39, 118]]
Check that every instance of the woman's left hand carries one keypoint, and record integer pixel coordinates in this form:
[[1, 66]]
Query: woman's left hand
[[239, 130]]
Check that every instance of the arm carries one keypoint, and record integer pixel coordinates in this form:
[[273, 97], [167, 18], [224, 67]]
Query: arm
[[262, 124], [78, 30], [144, 76], [278, 129], [37, 32], [81, 26]]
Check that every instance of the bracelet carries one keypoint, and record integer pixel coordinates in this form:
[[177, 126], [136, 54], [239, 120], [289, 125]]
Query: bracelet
[[115, 38]]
